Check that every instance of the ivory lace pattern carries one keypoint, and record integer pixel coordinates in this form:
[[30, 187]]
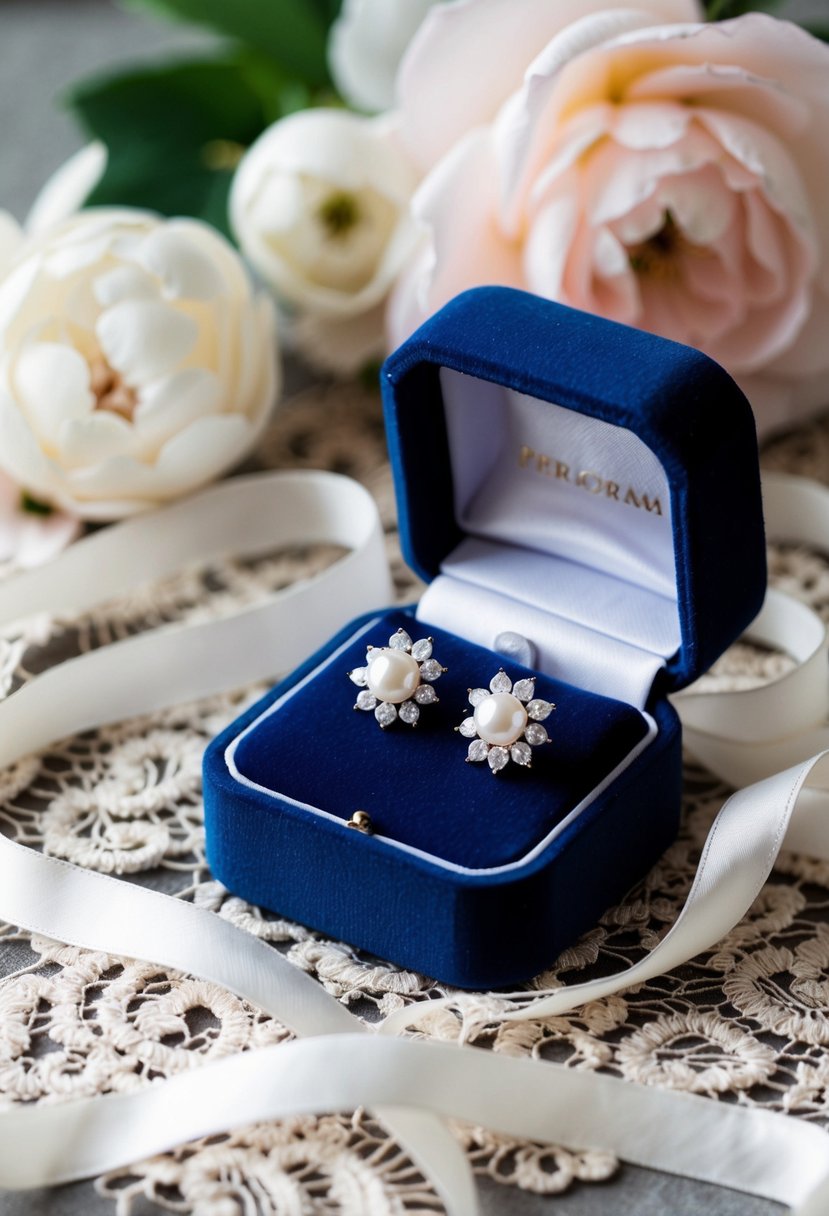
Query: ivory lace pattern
[[744, 1023]]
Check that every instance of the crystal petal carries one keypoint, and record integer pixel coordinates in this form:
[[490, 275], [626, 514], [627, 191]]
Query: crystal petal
[[536, 734], [476, 695], [430, 670], [366, 700], [524, 689], [477, 750], [539, 710], [400, 640], [497, 758], [358, 676], [422, 650], [385, 713], [409, 712], [425, 695], [468, 728], [500, 683], [521, 754]]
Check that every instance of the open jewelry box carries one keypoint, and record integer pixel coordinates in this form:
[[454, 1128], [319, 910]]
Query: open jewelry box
[[583, 500]]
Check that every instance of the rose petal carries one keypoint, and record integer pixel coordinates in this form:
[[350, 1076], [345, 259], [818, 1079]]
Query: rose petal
[[15, 288], [85, 442], [20, 455], [144, 340], [205, 449], [169, 405], [200, 453], [42, 538], [68, 188], [719, 86], [651, 124], [365, 46], [501, 37], [186, 271], [459, 204], [11, 237], [124, 283], [52, 383]]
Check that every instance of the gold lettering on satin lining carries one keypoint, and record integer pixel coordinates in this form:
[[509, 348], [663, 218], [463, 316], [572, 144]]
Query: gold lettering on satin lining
[[587, 479]]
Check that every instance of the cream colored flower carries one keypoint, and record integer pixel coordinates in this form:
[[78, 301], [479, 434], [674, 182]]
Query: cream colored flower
[[66, 191], [320, 207], [136, 362], [366, 44]]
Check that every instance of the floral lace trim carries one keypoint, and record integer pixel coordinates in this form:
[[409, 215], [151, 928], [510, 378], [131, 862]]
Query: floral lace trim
[[745, 1022]]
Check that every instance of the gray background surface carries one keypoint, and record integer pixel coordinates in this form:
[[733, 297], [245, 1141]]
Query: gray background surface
[[45, 45]]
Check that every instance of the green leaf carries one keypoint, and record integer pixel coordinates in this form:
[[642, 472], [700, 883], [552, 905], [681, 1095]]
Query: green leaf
[[817, 29], [721, 10], [175, 133], [293, 33]]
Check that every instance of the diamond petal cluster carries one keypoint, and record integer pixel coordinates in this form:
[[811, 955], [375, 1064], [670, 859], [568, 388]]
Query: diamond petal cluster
[[397, 679], [506, 722]]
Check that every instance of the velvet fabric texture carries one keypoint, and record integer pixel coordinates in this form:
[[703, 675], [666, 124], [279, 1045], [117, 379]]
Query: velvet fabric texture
[[680, 403], [476, 879], [473, 928], [414, 782]]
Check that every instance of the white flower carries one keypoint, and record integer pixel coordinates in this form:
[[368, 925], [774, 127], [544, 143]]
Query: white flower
[[68, 188], [366, 44], [11, 238], [320, 207], [136, 362], [30, 535]]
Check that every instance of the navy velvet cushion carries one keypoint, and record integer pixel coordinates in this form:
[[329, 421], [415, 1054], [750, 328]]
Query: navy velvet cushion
[[415, 783], [685, 407]]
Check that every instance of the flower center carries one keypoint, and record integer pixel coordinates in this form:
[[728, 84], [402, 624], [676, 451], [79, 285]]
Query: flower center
[[110, 391], [659, 256], [339, 213]]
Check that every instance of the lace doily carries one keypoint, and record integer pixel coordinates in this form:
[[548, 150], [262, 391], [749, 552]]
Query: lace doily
[[746, 1022]]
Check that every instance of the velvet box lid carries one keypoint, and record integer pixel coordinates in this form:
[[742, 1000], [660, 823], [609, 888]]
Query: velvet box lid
[[660, 494], [583, 501]]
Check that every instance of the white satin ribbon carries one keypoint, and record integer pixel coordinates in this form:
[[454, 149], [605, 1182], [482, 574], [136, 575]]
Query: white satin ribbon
[[408, 1083], [248, 517], [749, 734]]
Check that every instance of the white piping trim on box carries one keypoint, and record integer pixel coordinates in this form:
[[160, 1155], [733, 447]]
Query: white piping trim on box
[[453, 867]]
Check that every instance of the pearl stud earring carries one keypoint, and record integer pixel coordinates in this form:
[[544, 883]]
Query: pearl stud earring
[[397, 679], [506, 723]]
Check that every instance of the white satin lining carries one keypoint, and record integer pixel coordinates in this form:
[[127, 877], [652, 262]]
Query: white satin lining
[[486, 588], [412, 1083], [501, 495], [587, 577]]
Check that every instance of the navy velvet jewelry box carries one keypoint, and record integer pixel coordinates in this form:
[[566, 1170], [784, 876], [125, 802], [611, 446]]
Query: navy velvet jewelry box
[[583, 500]]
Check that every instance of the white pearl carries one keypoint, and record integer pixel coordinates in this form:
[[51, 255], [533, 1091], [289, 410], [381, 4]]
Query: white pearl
[[500, 719], [392, 675]]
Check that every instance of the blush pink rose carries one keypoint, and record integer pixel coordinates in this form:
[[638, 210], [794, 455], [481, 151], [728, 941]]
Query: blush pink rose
[[672, 177]]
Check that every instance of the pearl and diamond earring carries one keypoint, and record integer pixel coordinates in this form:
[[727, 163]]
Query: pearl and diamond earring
[[397, 679], [506, 722]]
